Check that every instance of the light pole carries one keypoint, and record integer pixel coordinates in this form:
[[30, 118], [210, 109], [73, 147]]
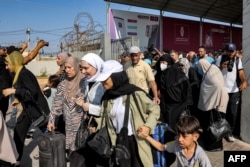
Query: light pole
[[28, 32]]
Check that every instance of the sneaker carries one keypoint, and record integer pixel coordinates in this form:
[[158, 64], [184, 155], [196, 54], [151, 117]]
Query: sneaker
[[230, 138]]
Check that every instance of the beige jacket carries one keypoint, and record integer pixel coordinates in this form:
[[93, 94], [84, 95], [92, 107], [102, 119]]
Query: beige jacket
[[150, 112]]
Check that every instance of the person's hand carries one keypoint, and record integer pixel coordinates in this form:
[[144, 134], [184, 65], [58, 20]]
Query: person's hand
[[243, 85], [141, 134], [41, 43], [9, 91], [24, 45], [157, 100], [79, 101], [50, 127], [143, 131]]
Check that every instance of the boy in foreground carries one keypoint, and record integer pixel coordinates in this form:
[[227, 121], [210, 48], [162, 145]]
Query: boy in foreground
[[186, 147]]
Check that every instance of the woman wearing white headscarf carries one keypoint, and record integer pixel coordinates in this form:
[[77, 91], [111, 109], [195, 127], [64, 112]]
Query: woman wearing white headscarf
[[91, 66], [213, 97]]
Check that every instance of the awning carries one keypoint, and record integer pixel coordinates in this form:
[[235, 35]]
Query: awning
[[229, 11]]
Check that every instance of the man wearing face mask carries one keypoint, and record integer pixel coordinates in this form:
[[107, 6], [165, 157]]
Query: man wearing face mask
[[175, 90]]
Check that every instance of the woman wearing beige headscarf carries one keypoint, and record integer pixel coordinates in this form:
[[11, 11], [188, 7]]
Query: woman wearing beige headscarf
[[213, 95], [60, 60], [65, 103], [26, 90], [213, 98]]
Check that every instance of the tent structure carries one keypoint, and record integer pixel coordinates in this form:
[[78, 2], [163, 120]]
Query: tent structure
[[229, 11]]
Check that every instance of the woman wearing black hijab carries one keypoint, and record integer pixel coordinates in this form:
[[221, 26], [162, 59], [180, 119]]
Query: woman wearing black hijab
[[175, 90], [175, 95], [142, 119]]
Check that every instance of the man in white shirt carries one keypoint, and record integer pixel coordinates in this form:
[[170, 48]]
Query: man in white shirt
[[232, 70]]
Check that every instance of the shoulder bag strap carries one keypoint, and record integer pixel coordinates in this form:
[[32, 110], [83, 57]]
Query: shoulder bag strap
[[137, 105], [206, 73], [126, 114], [35, 104]]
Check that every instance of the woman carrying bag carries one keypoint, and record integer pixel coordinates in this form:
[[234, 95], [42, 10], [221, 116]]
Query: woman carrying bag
[[213, 99], [64, 103], [143, 120]]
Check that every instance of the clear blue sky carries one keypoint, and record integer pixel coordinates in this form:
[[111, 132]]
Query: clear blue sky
[[50, 19], [47, 19]]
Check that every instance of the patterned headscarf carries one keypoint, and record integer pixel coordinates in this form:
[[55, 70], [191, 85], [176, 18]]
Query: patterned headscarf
[[16, 60], [185, 63], [72, 84], [95, 61]]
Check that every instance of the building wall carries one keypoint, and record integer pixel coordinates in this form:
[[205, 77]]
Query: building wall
[[245, 115]]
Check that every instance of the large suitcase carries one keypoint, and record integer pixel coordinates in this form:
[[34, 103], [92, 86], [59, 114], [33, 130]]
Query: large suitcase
[[52, 150]]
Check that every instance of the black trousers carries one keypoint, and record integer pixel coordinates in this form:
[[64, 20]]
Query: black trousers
[[22, 126], [77, 159], [232, 109]]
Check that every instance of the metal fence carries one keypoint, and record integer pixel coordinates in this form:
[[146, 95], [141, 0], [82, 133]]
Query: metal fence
[[118, 46]]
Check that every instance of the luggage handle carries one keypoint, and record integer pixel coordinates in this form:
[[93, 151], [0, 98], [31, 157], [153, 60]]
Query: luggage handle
[[53, 132]]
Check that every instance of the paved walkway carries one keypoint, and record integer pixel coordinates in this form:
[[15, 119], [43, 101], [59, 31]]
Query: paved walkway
[[217, 158], [31, 149]]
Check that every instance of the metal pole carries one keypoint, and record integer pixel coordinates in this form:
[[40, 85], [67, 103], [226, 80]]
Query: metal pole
[[28, 32]]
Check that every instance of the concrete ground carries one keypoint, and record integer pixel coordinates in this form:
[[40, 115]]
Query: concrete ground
[[31, 148]]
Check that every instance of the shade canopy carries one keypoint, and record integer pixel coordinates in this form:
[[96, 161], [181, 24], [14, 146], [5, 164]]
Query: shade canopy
[[229, 11]]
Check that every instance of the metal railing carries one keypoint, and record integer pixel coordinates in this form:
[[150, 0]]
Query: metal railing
[[118, 46]]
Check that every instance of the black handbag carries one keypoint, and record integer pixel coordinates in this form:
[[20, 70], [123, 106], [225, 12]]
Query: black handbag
[[100, 142], [82, 134], [218, 128], [43, 119]]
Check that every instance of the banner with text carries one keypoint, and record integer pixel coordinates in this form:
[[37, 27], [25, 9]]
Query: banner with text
[[127, 24]]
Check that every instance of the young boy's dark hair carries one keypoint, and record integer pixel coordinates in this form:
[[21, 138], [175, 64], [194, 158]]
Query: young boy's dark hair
[[188, 125], [54, 80]]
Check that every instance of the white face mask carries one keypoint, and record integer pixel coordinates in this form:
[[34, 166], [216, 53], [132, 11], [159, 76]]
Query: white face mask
[[163, 66]]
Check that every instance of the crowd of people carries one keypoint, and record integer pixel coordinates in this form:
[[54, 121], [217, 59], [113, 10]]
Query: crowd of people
[[154, 87]]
